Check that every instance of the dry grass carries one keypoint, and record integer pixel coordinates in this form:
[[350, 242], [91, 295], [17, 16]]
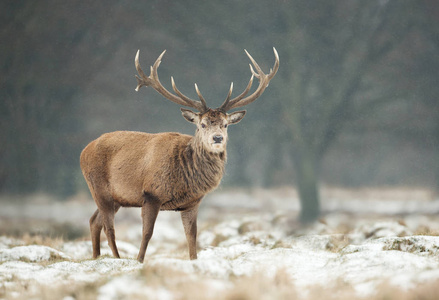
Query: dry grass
[[194, 287], [256, 287], [379, 193], [425, 230], [260, 286], [337, 243], [56, 242], [23, 291], [425, 291], [33, 229], [182, 285]]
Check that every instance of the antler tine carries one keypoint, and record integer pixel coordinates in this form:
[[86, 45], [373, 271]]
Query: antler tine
[[276, 65], [255, 64], [263, 78], [158, 61], [225, 104], [203, 102], [154, 81], [230, 92], [200, 106], [253, 71], [143, 80], [247, 89]]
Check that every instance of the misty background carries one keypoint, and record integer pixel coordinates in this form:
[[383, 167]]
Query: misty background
[[354, 103]]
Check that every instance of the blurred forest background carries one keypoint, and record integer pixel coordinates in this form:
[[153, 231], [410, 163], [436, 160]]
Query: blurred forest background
[[354, 102]]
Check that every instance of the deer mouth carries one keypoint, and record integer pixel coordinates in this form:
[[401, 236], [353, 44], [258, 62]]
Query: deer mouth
[[217, 145]]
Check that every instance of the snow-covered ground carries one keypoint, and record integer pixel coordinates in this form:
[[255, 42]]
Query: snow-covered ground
[[250, 247]]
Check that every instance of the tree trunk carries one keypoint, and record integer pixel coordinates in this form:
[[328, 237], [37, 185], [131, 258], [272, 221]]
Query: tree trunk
[[307, 185]]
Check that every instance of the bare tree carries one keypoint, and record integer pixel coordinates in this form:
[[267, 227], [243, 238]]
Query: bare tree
[[333, 54]]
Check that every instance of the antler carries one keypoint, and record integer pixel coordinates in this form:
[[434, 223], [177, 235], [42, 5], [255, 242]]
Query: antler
[[153, 81], [264, 80]]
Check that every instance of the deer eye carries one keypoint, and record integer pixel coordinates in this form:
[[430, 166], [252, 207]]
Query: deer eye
[[203, 125], [225, 125]]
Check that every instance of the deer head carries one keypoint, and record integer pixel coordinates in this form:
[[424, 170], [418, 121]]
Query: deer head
[[211, 123]]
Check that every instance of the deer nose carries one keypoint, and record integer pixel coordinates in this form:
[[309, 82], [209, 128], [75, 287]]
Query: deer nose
[[218, 138]]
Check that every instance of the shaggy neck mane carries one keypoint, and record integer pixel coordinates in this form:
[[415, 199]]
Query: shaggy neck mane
[[204, 169], [196, 145]]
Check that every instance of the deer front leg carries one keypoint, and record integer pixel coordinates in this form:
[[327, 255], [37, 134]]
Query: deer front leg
[[189, 218], [150, 210]]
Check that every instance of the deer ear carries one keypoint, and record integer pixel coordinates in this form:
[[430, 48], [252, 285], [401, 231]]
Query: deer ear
[[189, 115], [235, 117]]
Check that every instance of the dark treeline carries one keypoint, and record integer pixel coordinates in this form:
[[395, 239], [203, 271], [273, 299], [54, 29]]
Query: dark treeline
[[354, 102]]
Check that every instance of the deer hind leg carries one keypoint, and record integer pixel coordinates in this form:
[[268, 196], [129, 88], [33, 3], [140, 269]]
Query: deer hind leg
[[96, 225], [189, 218], [107, 216], [150, 210], [95, 231]]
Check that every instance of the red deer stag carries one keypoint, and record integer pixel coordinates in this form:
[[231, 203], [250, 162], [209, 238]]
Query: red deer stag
[[163, 171]]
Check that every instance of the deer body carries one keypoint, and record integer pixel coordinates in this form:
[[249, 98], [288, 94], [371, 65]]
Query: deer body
[[169, 166], [163, 171]]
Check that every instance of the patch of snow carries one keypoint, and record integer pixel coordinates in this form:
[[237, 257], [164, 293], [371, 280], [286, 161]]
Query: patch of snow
[[31, 253], [66, 272], [403, 261], [312, 242], [365, 269], [344, 247], [126, 286], [7, 242]]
